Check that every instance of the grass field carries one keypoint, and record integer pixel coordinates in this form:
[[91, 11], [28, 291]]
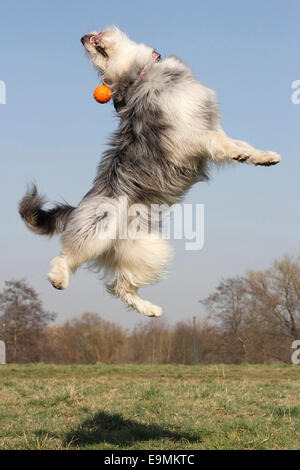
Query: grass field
[[149, 407]]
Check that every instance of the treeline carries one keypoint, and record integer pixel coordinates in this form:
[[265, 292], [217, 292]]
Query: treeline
[[253, 318]]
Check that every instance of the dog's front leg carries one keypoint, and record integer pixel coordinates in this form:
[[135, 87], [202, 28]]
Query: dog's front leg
[[220, 147]]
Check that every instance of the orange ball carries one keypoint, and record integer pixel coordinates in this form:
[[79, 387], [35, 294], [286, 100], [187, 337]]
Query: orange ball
[[102, 94]]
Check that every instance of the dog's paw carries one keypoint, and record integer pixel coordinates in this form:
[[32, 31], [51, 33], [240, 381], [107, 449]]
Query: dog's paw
[[241, 158], [241, 155], [265, 158], [57, 281], [59, 274], [156, 311], [149, 310]]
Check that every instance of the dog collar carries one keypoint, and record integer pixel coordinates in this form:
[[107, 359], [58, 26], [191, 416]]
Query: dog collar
[[156, 57]]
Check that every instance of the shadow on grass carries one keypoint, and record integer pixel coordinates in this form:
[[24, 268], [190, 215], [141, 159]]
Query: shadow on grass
[[114, 429]]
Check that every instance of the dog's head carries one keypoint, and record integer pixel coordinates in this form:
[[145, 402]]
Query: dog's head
[[113, 53]]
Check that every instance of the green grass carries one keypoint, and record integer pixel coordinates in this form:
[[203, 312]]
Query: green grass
[[149, 407]]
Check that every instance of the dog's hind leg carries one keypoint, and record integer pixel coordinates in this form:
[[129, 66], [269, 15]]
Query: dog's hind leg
[[139, 263], [72, 257], [60, 272], [128, 293], [89, 234]]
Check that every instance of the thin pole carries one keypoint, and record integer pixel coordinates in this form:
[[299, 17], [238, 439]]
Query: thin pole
[[2, 353], [195, 342]]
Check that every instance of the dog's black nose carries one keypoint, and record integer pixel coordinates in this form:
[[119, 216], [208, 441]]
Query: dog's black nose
[[84, 38]]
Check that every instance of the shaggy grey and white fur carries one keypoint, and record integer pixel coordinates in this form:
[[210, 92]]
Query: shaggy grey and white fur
[[169, 133]]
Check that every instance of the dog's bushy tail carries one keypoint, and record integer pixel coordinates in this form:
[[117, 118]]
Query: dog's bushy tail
[[44, 222]]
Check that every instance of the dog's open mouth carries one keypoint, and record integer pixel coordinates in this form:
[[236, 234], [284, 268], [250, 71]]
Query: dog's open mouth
[[95, 41], [102, 51]]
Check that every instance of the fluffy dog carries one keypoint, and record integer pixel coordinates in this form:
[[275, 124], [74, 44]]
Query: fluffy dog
[[168, 134]]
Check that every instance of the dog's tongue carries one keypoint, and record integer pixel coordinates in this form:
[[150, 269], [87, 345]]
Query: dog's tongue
[[94, 40]]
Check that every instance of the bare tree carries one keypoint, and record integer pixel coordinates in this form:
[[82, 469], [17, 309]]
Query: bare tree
[[227, 305], [23, 321], [277, 294]]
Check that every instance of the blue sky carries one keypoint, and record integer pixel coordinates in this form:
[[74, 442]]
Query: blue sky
[[53, 131]]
